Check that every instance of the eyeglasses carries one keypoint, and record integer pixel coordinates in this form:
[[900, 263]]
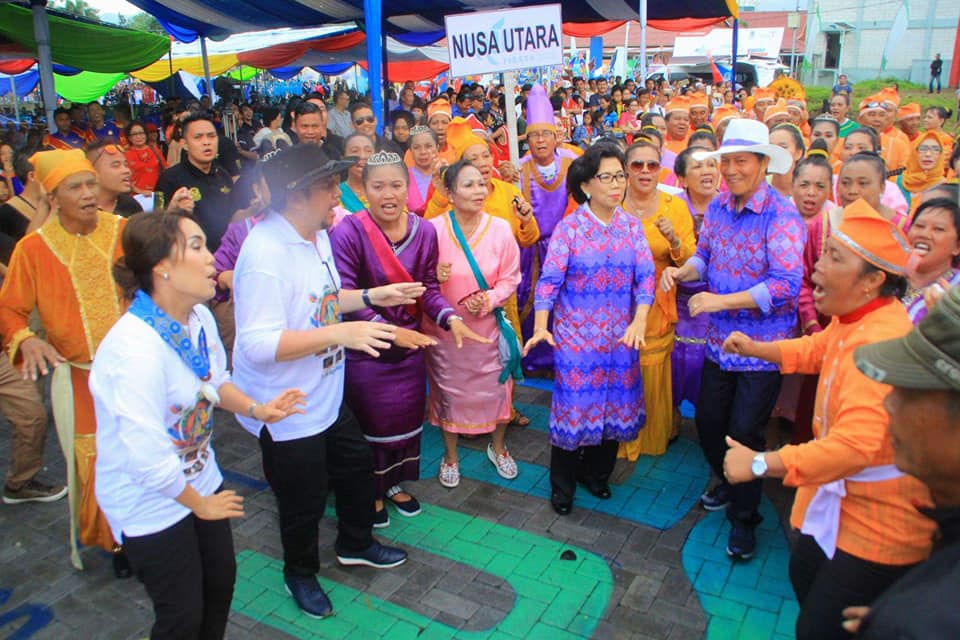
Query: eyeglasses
[[541, 135], [137, 133], [362, 119], [607, 178], [926, 148], [644, 165]]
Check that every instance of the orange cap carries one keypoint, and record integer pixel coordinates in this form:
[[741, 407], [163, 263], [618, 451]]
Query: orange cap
[[872, 237], [437, 107], [52, 167], [794, 103], [724, 112], [698, 101], [871, 103], [764, 93], [680, 103], [909, 110], [460, 136], [780, 108], [748, 104], [890, 96]]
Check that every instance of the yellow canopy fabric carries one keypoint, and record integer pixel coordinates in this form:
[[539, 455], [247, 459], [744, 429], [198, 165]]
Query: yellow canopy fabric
[[160, 70]]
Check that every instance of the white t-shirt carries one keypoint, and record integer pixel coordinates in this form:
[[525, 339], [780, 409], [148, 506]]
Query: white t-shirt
[[285, 283], [154, 428]]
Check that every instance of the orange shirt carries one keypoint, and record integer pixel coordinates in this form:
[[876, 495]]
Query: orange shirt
[[894, 148], [676, 145], [879, 521]]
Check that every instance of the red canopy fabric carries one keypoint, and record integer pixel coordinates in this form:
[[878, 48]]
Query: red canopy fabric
[[15, 67], [590, 29], [415, 70], [283, 55]]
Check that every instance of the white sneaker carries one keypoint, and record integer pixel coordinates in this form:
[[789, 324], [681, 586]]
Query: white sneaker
[[505, 464]]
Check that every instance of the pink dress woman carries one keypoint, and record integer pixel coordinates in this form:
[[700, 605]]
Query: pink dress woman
[[465, 393]]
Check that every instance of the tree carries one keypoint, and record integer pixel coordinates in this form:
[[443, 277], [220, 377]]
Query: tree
[[145, 22], [79, 8]]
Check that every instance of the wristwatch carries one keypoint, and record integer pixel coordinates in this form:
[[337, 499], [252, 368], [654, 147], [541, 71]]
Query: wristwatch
[[365, 296], [759, 465], [452, 317], [252, 408]]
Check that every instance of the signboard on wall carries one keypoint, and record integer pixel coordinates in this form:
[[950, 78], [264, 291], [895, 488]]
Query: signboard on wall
[[495, 41]]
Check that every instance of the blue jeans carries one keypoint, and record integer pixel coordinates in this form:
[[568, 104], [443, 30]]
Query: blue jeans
[[934, 77], [736, 404]]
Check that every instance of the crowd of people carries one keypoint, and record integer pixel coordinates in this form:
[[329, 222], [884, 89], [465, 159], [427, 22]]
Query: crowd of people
[[330, 284]]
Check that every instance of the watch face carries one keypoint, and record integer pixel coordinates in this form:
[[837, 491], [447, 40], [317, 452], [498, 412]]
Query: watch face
[[759, 466]]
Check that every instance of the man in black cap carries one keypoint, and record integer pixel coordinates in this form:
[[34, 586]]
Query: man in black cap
[[288, 305], [924, 406]]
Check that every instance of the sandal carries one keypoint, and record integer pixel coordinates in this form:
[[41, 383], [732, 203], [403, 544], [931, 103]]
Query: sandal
[[505, 464], [519, 420], [449, 475]]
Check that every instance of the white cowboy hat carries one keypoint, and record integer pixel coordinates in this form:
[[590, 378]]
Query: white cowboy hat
[[751, 136]]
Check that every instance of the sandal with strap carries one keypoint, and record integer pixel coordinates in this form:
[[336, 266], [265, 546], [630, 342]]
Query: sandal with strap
[[449, 475], [505, 464], [409, 507]]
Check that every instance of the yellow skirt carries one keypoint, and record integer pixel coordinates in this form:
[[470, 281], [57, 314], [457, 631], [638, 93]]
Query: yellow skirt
[[658, 399]]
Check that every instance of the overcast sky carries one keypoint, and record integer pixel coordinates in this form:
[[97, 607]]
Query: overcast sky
[[125, 8]]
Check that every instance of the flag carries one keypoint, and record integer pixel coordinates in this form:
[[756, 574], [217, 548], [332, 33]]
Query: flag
[[596, 56], [814, 27], [897, 30]]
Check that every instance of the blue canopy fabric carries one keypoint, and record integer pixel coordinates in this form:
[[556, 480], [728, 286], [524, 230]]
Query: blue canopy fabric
[[188, 19]]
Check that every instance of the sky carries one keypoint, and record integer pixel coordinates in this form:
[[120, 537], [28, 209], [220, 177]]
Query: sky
[[125, 8]]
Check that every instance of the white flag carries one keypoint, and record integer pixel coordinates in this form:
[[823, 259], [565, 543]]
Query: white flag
[[897, 31]]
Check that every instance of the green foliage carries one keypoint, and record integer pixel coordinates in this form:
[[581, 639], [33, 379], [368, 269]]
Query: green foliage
[[145, 22], [79, 8]]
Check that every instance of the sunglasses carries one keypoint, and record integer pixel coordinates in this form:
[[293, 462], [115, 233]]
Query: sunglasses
[[110, 150], [644, 165], [361, 120]]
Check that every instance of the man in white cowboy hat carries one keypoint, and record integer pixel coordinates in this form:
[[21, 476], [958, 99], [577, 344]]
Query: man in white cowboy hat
[[751, 256]]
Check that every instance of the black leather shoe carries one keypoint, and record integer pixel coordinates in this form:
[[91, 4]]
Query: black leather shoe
[[597, 487], [121, 564], [376, 555], [309, 595], [560, 506]]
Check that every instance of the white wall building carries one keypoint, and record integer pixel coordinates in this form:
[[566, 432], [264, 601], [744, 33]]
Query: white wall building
[[849, 37]]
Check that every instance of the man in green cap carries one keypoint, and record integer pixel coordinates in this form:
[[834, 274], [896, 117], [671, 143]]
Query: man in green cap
[[923, 368]]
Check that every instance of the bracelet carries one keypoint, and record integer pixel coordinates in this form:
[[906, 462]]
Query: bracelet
[[365, 296], [252, 408]]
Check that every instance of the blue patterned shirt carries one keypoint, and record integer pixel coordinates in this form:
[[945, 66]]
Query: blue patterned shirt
[[757, 249]]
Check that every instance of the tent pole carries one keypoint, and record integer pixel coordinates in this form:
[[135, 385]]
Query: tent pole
[[41, 32], [171, 87], [206, 67], [510, 92], [373, 13], [386, 85], [733, 56], [13, 96], [643, 41]]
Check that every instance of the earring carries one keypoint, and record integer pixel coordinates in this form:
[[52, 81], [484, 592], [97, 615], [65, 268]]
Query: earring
[[166, 276], [588, 195]]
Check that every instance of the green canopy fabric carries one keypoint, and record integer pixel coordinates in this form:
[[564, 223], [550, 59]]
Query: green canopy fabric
[[243, 74], [83, 45], [86, 86]]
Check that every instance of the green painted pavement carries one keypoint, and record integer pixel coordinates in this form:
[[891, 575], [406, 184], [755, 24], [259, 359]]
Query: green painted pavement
[[553, 598], [750, 600]]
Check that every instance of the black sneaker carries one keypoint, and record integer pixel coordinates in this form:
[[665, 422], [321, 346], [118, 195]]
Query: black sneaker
[[34, 491], [376, 555], [409, 508], [309, 595], [717, 498], [381, 519], [742, 543]]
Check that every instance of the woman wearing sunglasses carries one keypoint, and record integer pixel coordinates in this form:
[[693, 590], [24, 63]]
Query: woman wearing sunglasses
[[597, 279], [668, 228]]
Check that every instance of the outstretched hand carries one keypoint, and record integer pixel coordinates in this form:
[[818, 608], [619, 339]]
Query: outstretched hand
[[396, 294], [287, 403], [539, 335], [461, 331]]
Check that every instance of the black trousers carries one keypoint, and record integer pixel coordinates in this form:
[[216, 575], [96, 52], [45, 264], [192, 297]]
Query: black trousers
[[736, 404], [301, 472], [566, 467], [189, 572], [825, 587]]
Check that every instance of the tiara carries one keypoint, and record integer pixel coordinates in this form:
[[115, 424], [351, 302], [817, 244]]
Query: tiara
[[417, 130], [383, 158]]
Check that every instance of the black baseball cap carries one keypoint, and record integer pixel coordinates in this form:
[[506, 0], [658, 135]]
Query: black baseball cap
[[299, 166]]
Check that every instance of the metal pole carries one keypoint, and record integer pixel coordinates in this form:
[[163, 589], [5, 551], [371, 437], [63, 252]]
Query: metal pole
[[793, 44], [509, 89], [733, 55], [13, 96], [170, 83], [626, 50], [373, 13], [41, 32], [643, 41], [386, 86], [206, 68]]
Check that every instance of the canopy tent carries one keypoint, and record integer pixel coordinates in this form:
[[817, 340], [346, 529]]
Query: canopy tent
[[51, 36], [420, 19], [78, 86], [76, 43]]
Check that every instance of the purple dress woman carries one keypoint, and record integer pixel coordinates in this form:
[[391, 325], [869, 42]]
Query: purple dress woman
[[691, 334], [388, 394]]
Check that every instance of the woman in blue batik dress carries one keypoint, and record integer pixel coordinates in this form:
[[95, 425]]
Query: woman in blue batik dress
[[598, 279]]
